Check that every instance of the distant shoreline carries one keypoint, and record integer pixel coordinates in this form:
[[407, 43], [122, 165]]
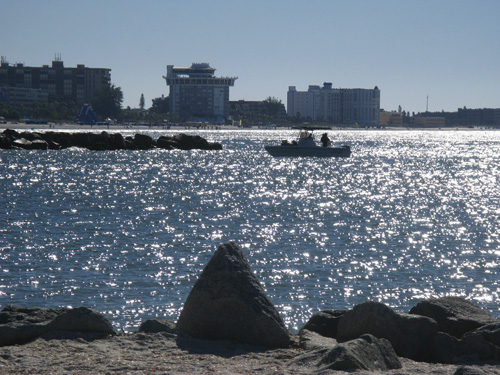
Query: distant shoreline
[[71, 126]]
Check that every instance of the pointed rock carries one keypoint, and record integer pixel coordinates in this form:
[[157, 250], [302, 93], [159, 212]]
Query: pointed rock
[[228, 303]]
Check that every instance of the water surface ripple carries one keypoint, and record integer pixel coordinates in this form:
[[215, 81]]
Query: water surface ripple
[[411, 215]]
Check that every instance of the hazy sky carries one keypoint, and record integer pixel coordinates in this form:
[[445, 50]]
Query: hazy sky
[[446, 49]]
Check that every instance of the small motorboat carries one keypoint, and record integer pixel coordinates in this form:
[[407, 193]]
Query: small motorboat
[[306, 146]]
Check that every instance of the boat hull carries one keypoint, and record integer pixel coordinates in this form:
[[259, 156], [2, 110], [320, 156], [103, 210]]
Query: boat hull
[[321, 152]]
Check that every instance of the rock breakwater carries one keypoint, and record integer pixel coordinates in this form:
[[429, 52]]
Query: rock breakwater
[[51, 140]]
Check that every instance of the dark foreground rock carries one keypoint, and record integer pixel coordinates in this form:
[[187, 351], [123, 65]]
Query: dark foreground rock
[[413, 336], [20, 325], [454, 315], [157, 325], [325, 322], [364, 353], [410, 335], [228, 303], [11, 139]]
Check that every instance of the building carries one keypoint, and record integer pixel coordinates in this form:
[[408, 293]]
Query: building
[[392, 118], [254, 107], [479, 116], [80, 84], [17, 96], [429, 122], [337, 106], [195, 92]]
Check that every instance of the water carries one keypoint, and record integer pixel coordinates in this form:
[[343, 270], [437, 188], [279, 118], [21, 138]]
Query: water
[[411, 215]]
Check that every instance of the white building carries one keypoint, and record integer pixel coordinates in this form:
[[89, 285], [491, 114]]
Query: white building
[[337, 106]]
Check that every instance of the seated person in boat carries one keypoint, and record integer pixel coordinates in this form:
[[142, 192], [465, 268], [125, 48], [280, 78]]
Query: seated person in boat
[[325, 140]]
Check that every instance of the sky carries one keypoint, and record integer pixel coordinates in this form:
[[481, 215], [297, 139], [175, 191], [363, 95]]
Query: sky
[[446, 50]]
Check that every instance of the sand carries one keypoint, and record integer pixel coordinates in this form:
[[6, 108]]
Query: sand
[[164, 353]]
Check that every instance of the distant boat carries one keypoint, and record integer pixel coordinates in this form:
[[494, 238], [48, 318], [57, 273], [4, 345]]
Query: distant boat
[[306, 146]]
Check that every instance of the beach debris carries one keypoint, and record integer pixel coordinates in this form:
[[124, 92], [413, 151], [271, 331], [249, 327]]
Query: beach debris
[[228, 302], [20, 325], [454, 315]]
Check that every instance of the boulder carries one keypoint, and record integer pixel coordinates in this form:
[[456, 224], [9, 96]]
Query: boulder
[[80, 319], [165, 143], [454, 315], [325, 322], [188, 142], [66, 140], [310, 340], [182, 142], [5, 142], [364, 353], [26, 144], [470, 348], [30, 136], [144, 142], [157, 325], [11, 134], [20, 325], [490, 333], [228, 302], [98, 142], [464, 370], [117, 142], [410, 335]]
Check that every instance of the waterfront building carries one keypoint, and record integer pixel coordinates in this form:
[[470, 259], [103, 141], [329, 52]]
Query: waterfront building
[[479, 116], [392, 118], [254, 107], [22, 96], [335, 105], [80, 85], [429, 122], [195, 92]]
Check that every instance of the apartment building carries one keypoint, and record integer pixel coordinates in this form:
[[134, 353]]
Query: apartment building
[[335, 105]]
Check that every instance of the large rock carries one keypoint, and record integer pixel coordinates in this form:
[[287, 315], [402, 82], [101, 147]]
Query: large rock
[[144, 142], [325, 322], [490, 333], [310, 340], [410, 335], [454, 315], [157, 325], [472, 347], [364, 353], [36, 144], [187, 142], [228, 302], [20, 325]]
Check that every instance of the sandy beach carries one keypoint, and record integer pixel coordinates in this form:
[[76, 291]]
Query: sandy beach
[[163, 353]]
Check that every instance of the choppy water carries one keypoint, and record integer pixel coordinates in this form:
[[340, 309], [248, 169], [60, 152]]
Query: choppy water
[[411, 215]]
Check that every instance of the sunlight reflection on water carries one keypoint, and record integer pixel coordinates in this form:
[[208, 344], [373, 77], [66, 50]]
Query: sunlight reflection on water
[[412, 214]]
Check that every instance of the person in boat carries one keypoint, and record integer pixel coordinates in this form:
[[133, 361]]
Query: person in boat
[[325, 140]]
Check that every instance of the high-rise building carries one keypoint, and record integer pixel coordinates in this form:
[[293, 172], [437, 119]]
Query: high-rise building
[[80, 84], [196, 93], [337, 106]]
